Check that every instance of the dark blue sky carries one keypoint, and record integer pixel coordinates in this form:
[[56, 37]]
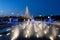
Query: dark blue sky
[[36, 7]]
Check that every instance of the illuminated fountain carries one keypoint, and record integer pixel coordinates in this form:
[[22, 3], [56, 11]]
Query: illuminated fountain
[[15, 32], [34, 28]]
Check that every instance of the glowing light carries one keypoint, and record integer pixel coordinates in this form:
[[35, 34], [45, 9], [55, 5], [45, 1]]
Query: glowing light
[[48, 16], [31, 27], [48, 27], [0, 35], [26, 36], [12, 30], [58, 35], [27, 31], [37, 36], [51, 38], [8, 34], [45, 32], [15, 34]]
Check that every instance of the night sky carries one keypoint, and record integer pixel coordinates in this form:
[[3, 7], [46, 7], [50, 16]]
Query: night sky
[[36, 7]]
